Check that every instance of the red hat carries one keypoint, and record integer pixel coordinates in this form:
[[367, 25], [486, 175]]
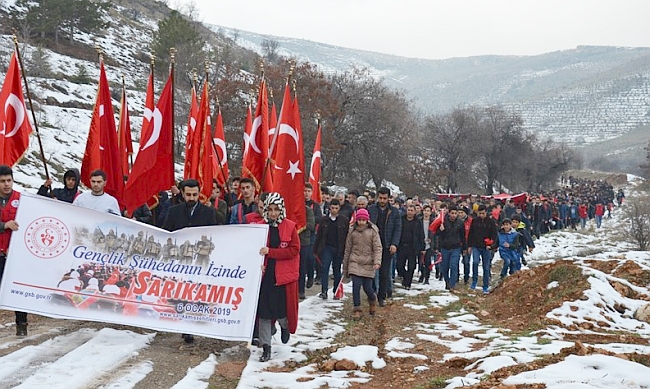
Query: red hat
[[362, 214]]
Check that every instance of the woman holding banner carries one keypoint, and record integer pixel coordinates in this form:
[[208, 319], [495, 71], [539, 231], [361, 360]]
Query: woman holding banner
[[279, 291]]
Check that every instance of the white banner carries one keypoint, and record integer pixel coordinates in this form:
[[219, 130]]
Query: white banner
[[76, 263]]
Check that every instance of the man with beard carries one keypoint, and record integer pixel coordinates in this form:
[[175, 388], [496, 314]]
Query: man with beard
[[190, 213]]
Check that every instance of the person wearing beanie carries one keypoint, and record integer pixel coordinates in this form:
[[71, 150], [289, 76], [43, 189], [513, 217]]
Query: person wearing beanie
[[362, 257], [68, 193]]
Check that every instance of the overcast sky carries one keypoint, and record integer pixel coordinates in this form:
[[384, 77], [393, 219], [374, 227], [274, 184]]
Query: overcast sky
[[440, 29]]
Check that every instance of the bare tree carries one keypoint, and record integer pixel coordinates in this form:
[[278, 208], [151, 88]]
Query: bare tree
[[270, 49], [638, 222]]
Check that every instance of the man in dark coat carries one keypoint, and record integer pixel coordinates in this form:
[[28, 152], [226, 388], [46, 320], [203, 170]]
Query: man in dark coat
[[68, 192], [411, 246], [190, 213], [388, 220]]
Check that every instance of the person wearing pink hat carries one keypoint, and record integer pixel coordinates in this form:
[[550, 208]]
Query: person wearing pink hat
[[362, 257]]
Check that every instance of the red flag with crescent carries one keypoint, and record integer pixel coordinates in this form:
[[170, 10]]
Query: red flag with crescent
[[14, 138], [192, 122], [315, 169], [220, 168], [153, 169], [102, 151], [149, 106], [256, 143], [202, 150], [289, 176]]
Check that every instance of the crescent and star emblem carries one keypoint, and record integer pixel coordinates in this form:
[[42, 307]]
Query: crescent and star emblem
[[19, 108], [157, 125], [220, 143], [315, 156], [250, 140], [287, 129]]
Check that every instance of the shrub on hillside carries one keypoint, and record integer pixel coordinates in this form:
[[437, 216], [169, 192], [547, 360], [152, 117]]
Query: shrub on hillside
[[637, 228]]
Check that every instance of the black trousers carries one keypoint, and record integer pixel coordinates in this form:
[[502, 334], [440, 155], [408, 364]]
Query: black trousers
[[21, 317]]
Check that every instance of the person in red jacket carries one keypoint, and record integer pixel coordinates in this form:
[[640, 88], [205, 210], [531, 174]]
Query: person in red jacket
[[582, 212], [279, 290], [9, 200], [599, 213]]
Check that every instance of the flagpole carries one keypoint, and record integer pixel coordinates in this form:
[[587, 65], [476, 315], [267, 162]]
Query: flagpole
[[172, 53], [31, 106]]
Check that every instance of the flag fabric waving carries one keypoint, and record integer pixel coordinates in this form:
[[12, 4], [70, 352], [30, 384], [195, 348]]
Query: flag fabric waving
[[256, 143], [289, 176], [220, 168], [202, 150], [102, 150], [192, 122], [153, 169], [124, 138], [14, 138], [315, 169], [148, 111]]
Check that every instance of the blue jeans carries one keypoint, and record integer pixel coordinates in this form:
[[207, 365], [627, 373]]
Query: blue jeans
[[466, 266], [484, 255], [599, 221], [366, 283], [449, 265], [510, 261], [330, 257], [583, 222]]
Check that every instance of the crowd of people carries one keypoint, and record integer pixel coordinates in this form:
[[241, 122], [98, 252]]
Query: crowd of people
[[375, 239]]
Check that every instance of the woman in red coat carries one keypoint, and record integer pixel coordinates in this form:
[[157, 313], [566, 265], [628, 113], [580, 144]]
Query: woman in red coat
[[279, 291]]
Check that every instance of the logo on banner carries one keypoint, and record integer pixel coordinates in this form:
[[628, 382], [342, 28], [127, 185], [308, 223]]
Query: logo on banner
[[47, 237]]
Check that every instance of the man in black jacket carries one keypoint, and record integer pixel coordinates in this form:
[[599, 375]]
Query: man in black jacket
[[388, 220], [330, 246], [482, 239], [68, 192], [411, 246], [451, 239], [190, 213]]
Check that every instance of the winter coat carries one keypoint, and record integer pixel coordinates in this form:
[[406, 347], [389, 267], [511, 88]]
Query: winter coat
[[63, 194], [8, 213], [391, 231], [342, 226], [453, 235], [287, 256], [512, 238], [480, 230], [418, 235], [363, 251], [310, 227]]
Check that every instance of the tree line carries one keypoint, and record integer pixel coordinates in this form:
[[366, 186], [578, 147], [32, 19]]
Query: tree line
[[371, 133]]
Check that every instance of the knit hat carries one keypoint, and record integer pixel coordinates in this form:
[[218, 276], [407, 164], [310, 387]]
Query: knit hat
[[362, 214]]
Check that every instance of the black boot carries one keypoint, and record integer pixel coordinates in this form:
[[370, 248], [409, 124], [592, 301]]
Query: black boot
[[284, 335], [266, 353], [21, 329]]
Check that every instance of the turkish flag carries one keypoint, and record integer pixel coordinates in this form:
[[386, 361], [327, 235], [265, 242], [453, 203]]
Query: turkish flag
[[153, 169], [14, 138], [203, 152], [149, 106], [289, 176], [437, 222], [314, 170], [102, 151], [220, 169], [124, 138], [192, 122], [256, 143], [339, 293]]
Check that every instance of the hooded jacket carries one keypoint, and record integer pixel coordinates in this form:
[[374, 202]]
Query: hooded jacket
[[63, 194], [362, 251]]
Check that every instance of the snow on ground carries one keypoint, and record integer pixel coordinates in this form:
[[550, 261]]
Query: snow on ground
[[55, 360]]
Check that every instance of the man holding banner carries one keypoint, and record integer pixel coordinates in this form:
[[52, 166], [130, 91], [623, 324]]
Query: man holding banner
[[9, 200], [190, 213]]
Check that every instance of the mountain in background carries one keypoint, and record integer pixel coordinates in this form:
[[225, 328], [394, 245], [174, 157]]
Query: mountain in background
[[588, 95]]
